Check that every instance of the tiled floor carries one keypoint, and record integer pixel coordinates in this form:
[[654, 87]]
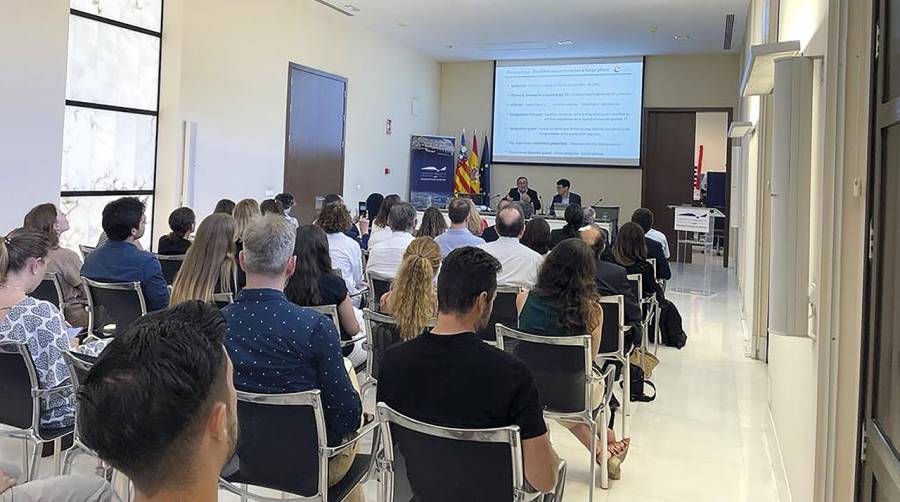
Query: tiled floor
[[704, 439]]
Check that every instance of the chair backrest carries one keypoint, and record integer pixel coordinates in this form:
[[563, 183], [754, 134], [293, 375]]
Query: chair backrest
[[49, 290], [79, 365], [612, 337], [561, 366], [503, 312], [280, 440], [18, 407], [636, 281], [85, 250], [378, 286], [652, 262], [170, 264], [330, 311], [223, 299], [121, 303], [451, 464], [382, 333]]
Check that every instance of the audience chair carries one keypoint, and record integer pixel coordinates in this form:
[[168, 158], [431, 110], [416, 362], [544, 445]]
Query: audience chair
[[85, 250], [503, 312], [79, 365], [654, 323], [613, 348], [50, 290], [565, 378], [382, 333], [170, 264], [378, 286], [332, 312], [120, 303], [223, 299], [486, 462], [283, 446], [21, 397]]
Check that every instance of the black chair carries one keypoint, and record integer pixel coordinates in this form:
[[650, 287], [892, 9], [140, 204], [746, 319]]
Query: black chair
[[612, 344], [421, 459], [116, 304], [563, 371], [223, 299], [85, 250], [50, 290], [21, 397], [378, 286], [503, 312], [382, 333], [170, 264], [79, 365], [283, 446]]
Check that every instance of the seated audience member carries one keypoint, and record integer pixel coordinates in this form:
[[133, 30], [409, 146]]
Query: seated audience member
[[360, 231], [52, 222], [565, 302], [224, 206], [520, 263], [381, 228], [590, 215], [287, 204], [300, 345], [37, 323], [245, 213], [14, 487], [271, 206], [537, 236], [449, 377], [490, 234], [527, 210], [630, 251], [119, 260], [181, 221], [459, 234], [612, 280], [574, 221], [386, 256], [345, 253], [475, 223], [433, 224], [160, 406], [313, 284], [412, 300], [210, 262], [564, 196], [657, 246]]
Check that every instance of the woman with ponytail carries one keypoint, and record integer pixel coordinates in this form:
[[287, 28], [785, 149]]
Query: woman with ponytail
[[37, 323], [412, 300]]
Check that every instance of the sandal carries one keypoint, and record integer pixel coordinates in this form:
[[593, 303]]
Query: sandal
[[614, 465]]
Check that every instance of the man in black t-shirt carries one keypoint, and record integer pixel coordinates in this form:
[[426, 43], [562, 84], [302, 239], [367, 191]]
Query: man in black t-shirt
[[450, 378]]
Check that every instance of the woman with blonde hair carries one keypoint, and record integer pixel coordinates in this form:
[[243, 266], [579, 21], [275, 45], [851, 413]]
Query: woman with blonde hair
[[475, 223], [412, 300], [210, 262], [245, 212]]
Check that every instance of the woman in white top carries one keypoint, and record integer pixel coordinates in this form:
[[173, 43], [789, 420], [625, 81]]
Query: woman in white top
[[344, 251], [380, 229]]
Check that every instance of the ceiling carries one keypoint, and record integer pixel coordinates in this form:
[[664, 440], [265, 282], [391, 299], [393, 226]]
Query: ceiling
[[456, 30]]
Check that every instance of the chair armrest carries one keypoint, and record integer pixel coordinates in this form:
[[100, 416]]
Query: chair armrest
[[42, 393], [358, 338], [331, 451]]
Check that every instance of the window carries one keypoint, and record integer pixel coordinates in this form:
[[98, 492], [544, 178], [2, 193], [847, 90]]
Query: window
[[112, 107]]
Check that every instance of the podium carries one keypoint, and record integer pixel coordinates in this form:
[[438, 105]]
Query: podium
[[695, 226]]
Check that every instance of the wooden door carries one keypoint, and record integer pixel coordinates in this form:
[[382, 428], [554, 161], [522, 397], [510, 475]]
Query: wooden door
[[314, 146], [668, 169]]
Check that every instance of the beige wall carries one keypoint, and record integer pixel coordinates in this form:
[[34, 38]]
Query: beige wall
[[233, 83], [669, 81], [711, 131], [33, 48]]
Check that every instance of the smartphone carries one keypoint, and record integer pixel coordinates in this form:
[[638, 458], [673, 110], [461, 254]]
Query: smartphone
[[363, 209]]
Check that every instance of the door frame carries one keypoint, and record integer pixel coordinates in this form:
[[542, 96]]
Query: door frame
[[645, 120]]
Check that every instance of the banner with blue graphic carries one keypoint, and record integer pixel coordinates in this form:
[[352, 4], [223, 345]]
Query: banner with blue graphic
[[431, 161]]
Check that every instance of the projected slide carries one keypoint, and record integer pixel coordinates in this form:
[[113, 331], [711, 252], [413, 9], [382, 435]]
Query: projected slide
[[568, 111]]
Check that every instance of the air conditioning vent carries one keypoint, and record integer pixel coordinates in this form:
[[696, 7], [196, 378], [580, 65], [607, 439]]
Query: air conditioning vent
[[729, 31]]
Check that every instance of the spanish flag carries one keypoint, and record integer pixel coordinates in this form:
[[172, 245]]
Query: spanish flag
[[463, 181], [474, 173]]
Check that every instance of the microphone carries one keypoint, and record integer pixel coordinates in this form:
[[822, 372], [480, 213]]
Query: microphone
[[597, 203], [543, 206]]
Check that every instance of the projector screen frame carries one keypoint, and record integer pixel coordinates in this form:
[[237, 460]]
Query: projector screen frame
[[574, 164]]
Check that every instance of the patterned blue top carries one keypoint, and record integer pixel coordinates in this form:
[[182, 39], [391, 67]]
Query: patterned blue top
[[278, 347], [39, 324]]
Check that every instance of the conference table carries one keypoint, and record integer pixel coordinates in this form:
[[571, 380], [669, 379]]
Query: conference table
[[555, 222]]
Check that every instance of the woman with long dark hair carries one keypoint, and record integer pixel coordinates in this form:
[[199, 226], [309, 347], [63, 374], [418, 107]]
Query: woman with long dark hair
[[313, 284], [565, 302], [537, 236], [574, 221], [380, 230], [433, 223], [630, 251]]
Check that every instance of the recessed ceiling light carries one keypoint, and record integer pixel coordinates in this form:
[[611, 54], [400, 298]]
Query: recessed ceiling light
[[565, 42], [653, 29], [450, 46], [402, 24], [351, 8], [682, 37]]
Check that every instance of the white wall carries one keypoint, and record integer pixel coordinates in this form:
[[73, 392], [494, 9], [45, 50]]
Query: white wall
[[711, 130], [669, 82], [234, 68], [33, 48]]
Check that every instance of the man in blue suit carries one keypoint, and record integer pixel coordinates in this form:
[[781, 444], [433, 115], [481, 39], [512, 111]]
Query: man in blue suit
[[564, 196]]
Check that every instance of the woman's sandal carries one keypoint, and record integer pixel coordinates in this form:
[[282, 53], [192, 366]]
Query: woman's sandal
[[614, 464]]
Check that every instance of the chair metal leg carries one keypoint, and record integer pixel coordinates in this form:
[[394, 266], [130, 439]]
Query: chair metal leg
[[626, 399], [561, 484], [57, 456], [69, 458], [35, 464], [25, 456], [593, 449], [243, 497]]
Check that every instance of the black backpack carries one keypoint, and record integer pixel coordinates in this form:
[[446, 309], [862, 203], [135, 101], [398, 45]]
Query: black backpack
[[670, 325], [638, 382]]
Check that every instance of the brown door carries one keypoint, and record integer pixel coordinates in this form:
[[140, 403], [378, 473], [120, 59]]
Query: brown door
[[879, 468], [314, 150], [668, 168]]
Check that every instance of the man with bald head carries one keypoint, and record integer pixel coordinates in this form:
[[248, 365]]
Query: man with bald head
[[520, 263]]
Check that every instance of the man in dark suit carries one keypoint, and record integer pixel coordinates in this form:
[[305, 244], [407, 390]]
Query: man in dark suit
[[564, 196], [521, 193], [612, 279], [644, 218]]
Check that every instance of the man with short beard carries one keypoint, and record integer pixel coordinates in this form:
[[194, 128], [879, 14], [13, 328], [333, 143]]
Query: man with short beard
[[450, 378], [160, 405]]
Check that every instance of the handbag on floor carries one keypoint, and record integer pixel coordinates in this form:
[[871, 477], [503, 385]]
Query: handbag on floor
[[647, 361], [638, 382]]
